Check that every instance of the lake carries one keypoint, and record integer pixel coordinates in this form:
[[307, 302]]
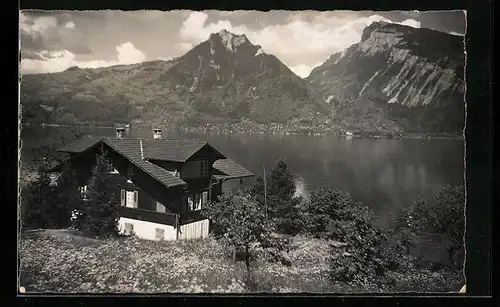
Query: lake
[[385, 174]]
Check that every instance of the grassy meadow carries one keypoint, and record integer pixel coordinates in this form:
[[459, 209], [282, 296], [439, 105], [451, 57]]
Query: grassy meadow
[[59, 261]]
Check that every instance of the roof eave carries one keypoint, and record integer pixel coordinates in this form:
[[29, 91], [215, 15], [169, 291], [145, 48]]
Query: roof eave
[[82, 151], [226, 177]]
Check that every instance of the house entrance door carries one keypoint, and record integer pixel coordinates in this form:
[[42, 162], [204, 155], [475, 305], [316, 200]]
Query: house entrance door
[[130, 200]]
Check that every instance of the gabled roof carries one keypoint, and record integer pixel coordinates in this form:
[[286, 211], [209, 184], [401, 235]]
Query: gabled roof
[[81, 145], [138, 152], [130, 148], [229, 169], [176, 150]]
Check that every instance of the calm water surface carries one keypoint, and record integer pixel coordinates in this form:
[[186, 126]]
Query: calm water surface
[[385, 174]]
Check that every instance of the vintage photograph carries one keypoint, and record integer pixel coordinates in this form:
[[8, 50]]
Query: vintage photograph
[[241, 152]]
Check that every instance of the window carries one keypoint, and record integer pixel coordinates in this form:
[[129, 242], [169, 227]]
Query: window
[[84, 192], [129, 198], [197, 201], [53, 179], [160, 207], [111, 167], [195, 169], [160, 234], [190, 202], [203, 167], [129, 228]]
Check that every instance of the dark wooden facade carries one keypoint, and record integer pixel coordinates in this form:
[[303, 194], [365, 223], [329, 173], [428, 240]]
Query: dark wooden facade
[[150, 191]]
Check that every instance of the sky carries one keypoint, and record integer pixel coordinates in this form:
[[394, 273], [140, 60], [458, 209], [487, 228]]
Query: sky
[[52, 41]]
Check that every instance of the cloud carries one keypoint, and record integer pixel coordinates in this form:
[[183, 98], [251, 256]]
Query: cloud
[[411, 22], [36, 26], [302, 70], [70, 25], [48, 33], [318, 37], [57, 61]]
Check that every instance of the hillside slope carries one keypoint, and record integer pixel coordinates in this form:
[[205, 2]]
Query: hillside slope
[[223, 79], [396, 79]]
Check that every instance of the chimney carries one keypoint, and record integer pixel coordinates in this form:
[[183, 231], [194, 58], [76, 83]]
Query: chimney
[[156, 134], [127, 130], [120, 132]]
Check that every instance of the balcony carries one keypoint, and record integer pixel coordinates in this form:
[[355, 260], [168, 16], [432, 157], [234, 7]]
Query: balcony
[[191, 216], [148, 216]]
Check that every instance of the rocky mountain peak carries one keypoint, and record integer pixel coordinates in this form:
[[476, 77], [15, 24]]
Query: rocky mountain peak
[[229, 40]]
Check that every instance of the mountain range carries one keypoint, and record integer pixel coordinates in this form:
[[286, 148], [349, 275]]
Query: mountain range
[[396, 80]]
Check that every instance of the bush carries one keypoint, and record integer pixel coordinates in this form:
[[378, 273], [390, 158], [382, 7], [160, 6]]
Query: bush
[[334, 215], [325, 206], [239, 221]]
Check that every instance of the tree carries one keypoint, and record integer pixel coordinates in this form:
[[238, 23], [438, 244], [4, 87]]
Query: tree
[[240, 221], [276, 195], [37, 202], [442, 214], [67, 194], [100, 212], [47, 202], [281, 184]]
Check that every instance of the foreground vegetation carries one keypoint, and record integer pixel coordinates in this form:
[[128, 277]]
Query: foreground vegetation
[[59, 261]]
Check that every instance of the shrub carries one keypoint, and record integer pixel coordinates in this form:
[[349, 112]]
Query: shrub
[[240, 221], [325, 206], [334, 215]]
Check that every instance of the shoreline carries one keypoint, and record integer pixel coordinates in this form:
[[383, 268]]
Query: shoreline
[[369, 135]]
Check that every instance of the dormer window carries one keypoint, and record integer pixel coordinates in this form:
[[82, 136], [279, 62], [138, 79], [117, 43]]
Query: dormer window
[[120, 132], [157, 134]]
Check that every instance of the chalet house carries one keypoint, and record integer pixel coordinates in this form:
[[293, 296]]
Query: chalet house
[[162, 183]]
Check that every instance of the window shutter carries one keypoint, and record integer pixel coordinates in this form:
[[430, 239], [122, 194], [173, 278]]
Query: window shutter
[[205, 197], [122, 198], [136, 199]]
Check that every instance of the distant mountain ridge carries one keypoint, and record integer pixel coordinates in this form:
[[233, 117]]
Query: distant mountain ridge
[[222, 80], [226, 80]]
